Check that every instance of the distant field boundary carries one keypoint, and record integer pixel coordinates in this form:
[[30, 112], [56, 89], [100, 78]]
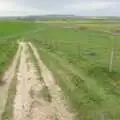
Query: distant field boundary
[[16, 35]]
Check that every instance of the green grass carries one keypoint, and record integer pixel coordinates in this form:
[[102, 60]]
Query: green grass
[[7, 52], [10, 32], [7, 113], [8, 110], [12, 28], [79, 60], [103, 25]]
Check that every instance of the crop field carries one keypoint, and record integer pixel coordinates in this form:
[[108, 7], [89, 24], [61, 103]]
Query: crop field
[[78, 54]]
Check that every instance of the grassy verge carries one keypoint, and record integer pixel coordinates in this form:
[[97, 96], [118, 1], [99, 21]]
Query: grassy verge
[[88, 97], [8, 112], [10, 32], [7, 52], [8, 109], [79, 59]]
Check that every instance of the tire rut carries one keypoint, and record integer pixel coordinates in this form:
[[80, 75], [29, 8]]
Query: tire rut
[[59, 105], [28, 103]]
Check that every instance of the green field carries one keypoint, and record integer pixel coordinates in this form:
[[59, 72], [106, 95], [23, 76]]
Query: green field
[[10, 32], [79, 59]]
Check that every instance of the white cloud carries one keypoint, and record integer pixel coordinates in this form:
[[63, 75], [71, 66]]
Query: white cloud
[[78, 7], [5, 5], [90, 5], [8, 8]]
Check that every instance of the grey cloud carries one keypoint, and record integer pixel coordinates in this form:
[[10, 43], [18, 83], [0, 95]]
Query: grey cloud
[[63, 7]]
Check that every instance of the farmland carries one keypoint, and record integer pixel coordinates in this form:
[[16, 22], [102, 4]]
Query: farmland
[[78, 54]]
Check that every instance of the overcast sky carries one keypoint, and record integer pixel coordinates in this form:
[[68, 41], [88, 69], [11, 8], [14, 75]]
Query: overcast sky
[[77, 7]]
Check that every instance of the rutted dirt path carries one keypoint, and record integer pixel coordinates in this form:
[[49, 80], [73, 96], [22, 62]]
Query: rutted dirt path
[[37, 95]]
